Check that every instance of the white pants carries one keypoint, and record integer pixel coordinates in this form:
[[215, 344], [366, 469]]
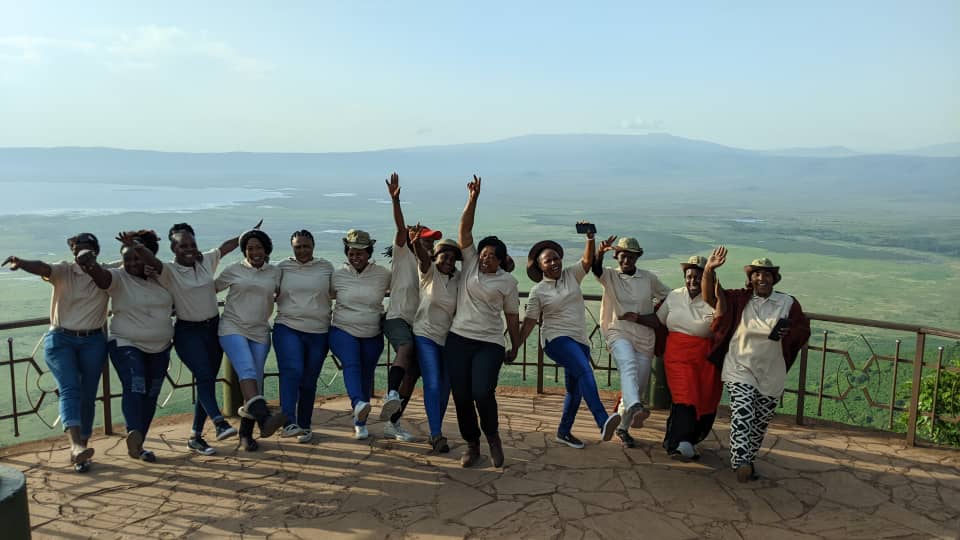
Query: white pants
[[634, 368]]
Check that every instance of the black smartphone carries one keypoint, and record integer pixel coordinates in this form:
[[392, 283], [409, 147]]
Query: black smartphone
[[775, 333], [586, 228]]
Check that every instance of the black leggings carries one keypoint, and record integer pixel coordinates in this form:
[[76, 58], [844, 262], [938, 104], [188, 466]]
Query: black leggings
[[474, 367]]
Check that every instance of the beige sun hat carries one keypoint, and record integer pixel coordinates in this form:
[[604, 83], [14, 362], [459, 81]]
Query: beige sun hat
[[763, 263], [630, 244], [448, 244], [696, 261], [358, 239]]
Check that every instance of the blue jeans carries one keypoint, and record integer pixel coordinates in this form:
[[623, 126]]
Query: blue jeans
[[248, 357], [141, 374], [197, 346], [359, 357], [578, 377], [436, 384], [300, 357], [77, 364]]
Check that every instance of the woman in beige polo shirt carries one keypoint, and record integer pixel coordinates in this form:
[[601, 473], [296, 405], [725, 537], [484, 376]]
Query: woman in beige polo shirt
[[627, 321], [141, 334], [439, 283], [356, 334], [75, 347], [694, 381], [755, 350], [474, 350], [245, 329], [558, 300], [301, 332]]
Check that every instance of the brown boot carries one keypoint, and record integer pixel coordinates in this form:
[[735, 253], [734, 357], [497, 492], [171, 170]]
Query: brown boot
[[496, 449], [471, 455]]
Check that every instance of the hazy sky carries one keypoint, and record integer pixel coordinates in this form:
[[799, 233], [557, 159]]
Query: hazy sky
[[318, 76]]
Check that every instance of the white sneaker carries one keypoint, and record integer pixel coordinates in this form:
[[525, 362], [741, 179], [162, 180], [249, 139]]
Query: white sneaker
[[687, 450], [305, 436], [391, 404], [292, 430], [360, 432], [361, 411], [395, 431]]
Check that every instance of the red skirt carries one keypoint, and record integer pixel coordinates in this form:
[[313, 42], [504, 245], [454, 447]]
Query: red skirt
[[693, 380]]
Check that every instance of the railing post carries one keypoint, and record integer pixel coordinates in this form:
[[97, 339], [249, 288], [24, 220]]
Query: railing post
[[893, 385], [823, 371], [13, 389], [802, 385], [915, 389], [539, 362], [232, 396], [107, 409]]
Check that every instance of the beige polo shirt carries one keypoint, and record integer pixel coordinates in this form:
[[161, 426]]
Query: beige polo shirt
[[482, 300], [404, 285], [560, 302], [76, 303], [359, 304], [438, 303], [752, 358], [304, 300], [681, 314], [141, 312], [623, 293], [249, 303], [192, 287]]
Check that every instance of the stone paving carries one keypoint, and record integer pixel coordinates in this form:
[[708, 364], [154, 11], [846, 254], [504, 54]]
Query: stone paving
[[818, 482]]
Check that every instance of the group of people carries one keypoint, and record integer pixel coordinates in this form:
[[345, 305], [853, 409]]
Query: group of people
[[446, 326]]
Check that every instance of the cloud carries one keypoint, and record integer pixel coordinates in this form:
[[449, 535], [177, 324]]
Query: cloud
[[639, 123], [37, 49], [144, 48], [151, 47]]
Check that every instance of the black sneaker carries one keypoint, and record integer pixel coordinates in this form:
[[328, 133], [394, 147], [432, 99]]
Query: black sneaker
[[200, 446], [627, 439], [569, 440], [225, 430]]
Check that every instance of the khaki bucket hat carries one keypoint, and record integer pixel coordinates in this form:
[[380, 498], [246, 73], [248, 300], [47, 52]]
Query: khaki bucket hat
[[358, 239], [629, 244], [448, 244], [696, 261], [763, 263]]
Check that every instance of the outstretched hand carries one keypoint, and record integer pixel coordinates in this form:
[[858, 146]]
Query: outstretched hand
[[717, 258], [393, 186], [13, 261], [413, 233], [86, 259], [607, 245], [128, 238], [473, 187]]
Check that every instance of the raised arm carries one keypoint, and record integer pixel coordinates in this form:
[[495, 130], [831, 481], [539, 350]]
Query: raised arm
[[393, 188], [37, 268], [229, 245], [589, 253], [466, 220], [88, 262], [423, 256], [129, 239], [605, 246], [709, 284]]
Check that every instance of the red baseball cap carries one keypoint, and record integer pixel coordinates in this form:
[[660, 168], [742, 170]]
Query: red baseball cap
[[427, 232]]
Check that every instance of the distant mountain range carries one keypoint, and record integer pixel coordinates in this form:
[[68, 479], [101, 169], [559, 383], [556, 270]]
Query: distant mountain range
[[655, 160]]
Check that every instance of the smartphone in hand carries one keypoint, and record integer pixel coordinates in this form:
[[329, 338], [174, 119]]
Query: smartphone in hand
[[775, 333], [586, 228]]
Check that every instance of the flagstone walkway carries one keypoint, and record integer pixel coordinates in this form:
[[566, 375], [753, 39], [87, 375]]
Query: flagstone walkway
[[818, 482]]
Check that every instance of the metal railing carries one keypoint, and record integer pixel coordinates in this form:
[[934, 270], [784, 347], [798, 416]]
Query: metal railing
[[825, 357]]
